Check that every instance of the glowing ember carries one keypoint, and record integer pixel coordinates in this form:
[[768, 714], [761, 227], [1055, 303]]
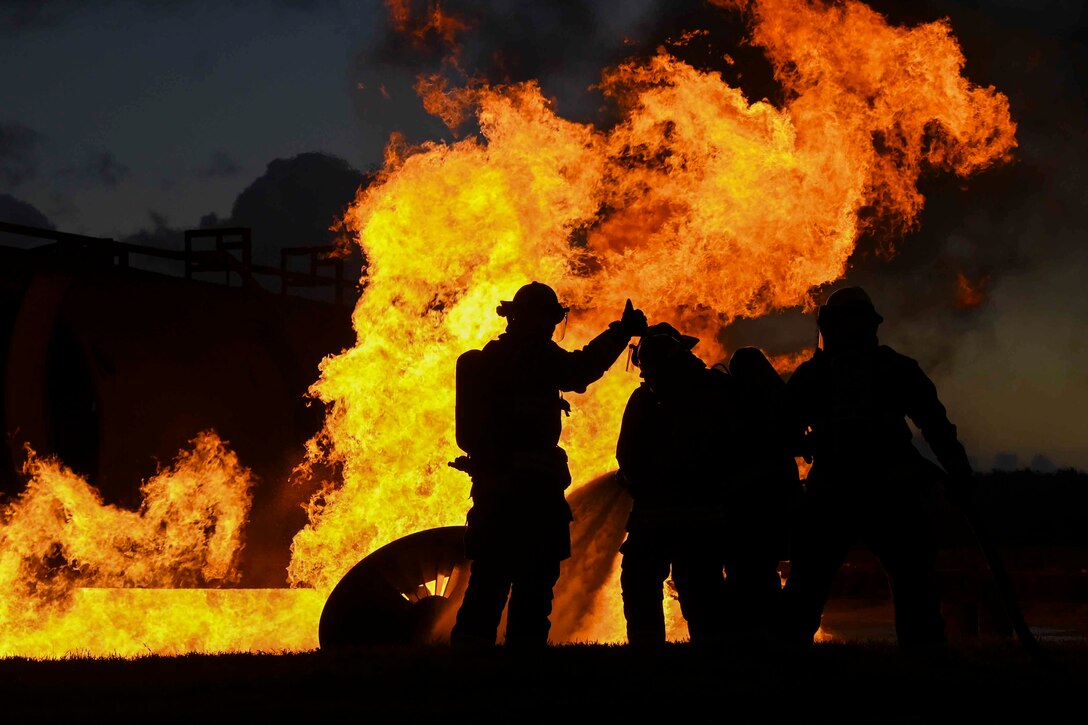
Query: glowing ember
[[699, 205]]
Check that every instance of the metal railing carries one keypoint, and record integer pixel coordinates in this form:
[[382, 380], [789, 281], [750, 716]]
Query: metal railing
[[228, 250]]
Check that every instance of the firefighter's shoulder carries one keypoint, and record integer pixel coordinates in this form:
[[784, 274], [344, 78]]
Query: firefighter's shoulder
[[896, 361]]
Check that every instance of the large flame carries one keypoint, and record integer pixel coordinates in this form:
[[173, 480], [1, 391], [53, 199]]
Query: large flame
[[700, 205], [79, 575]]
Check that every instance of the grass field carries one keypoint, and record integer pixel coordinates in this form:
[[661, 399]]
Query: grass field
[[856, 676], [859, 681]]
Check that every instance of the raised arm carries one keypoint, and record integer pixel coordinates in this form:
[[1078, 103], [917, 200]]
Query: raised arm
[[577, 369]]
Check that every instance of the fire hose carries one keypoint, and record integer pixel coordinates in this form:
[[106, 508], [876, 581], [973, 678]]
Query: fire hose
[[1002, 581], [1004, 585]]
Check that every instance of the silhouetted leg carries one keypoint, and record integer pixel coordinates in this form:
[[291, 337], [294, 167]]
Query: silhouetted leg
[[697, 574], [751, 552], [823, 539], [527, 621], [906, 546], [753, 591], [643, 571], [481, 609]]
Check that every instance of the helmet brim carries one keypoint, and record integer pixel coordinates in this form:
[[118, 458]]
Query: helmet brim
[[507, 308], [664, 328]]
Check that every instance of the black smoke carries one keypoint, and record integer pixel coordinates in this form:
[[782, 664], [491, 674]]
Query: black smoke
[[563, 46], [18, 153], [24, 15], [106, 169], [220, 165]]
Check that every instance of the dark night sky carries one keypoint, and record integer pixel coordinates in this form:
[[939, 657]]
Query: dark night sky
[[119, 117]]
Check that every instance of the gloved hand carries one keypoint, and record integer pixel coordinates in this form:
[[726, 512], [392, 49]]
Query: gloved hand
[[633, 321]]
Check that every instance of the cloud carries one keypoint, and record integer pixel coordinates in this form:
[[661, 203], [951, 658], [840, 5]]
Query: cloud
[[220, 165], [106, 169], [16, 211], [30, 15], [18, 144], [17, 16], [159, 234]]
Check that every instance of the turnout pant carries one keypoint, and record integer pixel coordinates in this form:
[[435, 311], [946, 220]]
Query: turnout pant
[[526, 584], [648, 558], [896, 525]]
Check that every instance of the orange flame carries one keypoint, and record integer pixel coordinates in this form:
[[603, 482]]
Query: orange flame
[[899, 96], [699, 205], [786, 363], [58, 540], [970, 295], [435, 21]]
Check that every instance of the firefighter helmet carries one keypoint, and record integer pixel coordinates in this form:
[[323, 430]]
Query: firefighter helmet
[[534, 300], [666, 330], [848, 303], [664, 354]]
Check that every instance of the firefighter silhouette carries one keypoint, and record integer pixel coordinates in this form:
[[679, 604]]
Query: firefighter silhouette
[[868, 482], [761, 496], [509, 410], [669, 452]]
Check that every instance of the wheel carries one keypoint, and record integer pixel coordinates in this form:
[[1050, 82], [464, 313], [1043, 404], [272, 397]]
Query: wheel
[[406, 592]]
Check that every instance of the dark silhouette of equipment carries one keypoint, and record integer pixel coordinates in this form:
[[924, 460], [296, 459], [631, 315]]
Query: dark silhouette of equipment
[[1005, 588], [406, 592], [230, 252], [1006, 591]]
